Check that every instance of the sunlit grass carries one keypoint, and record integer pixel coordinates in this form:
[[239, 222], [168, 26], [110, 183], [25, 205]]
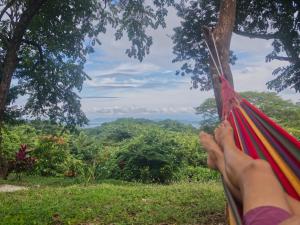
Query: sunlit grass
[[65, 201]]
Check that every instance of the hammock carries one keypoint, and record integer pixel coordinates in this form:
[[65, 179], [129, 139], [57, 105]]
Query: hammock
[[259, 137]]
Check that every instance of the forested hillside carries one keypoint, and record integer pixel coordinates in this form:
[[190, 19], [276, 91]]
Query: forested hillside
[[126, 149]]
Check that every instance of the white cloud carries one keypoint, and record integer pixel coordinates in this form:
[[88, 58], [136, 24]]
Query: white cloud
[[129, 110], [112, 82], [147, 101], [128, 68]]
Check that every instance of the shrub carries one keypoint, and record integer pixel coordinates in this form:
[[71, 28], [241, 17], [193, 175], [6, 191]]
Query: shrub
[[200, 174], [21, 164], [14, 136], [108, 165], [54, 157], [154, 157], [156, 154]]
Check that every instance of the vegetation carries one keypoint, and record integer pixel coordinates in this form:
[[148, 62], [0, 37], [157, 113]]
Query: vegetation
[[127, 149], [44, 46], [262, 19], [59, 201], [284, 112]]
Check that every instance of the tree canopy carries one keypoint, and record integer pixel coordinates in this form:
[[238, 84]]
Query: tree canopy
[[44, 44], [270, 20]]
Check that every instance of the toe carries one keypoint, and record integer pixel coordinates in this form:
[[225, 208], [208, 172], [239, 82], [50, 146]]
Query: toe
[[202, 133], [226, 123]]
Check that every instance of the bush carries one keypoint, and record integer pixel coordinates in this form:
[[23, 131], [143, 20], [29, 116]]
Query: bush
[[156, 154], [14, 136], [54, 158], [199, 174], [295, 132], [108, 166], [155, 157], [23, 162]]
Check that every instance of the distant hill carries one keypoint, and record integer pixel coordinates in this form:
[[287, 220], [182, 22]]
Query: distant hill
[[188, 119], [136, 126]]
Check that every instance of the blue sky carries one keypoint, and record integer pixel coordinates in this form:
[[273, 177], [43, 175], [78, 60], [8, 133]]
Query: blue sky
[[124, 87]]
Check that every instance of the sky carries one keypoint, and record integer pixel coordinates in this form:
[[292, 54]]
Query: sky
[[124, 87]]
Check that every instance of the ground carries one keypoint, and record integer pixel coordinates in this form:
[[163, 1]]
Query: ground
[[11, 188], [68, 201]]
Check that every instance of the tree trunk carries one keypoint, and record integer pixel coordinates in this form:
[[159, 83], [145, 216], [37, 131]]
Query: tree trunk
[[222, 34], [9, 66], [10, 63]]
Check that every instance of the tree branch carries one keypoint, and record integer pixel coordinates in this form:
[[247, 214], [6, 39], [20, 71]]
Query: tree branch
[[8, 5], [255, 35], [36, 45], [281, 58]]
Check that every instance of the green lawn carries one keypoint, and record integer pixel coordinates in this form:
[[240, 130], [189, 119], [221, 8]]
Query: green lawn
[[65, 201]]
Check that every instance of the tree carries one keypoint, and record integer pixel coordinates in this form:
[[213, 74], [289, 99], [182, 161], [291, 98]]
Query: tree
[[43, 49], [189, 42], [209, 115], [284, 112], [275, 20], [44, 44]]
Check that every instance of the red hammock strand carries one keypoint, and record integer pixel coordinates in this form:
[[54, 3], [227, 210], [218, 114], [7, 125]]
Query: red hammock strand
[[229, 97]]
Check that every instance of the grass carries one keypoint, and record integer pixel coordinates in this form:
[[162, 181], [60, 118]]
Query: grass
[[65, 201]]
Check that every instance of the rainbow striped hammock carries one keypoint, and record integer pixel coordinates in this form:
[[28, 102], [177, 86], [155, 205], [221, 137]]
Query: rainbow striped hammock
[[260, 137]]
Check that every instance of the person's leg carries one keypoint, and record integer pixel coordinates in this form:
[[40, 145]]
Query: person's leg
[[215, 160], [294, 220], [294, 204], [255, 178]]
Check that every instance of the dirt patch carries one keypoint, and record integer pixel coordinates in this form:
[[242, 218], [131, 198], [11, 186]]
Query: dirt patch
[[11, 188]]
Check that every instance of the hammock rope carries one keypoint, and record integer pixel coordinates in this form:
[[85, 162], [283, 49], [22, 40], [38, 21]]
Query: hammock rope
[[217, 52], [259, 137], [213, 58]]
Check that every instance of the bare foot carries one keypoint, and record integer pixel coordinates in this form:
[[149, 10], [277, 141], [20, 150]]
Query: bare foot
[[224, 135], [212, 148]]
